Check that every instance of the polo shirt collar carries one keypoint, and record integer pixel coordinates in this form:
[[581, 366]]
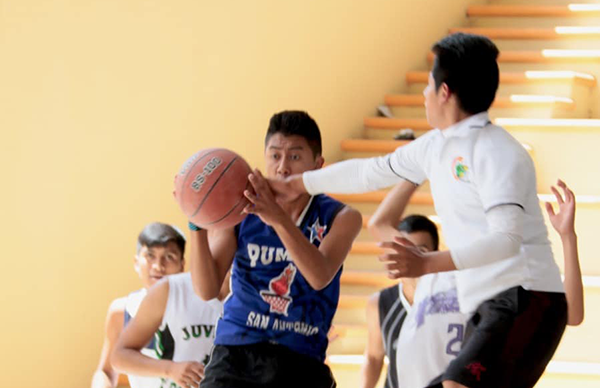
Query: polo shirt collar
[[465, 126]]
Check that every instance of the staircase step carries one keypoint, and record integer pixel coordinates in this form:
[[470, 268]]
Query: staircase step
[[418, 198], [377, 127], [525, 77], [570, 125], [513, 101], [383, 146], [377, 279], [543, 56], [560, 32], [570, 10]]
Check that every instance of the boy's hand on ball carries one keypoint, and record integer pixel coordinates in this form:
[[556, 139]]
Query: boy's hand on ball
[[262, 200], [405, 260]]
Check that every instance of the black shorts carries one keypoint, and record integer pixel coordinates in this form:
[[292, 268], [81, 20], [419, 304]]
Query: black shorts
[[509, 340], [264, 365]]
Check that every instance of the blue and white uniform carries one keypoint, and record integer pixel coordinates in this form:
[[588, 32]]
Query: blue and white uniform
[[270, 299]]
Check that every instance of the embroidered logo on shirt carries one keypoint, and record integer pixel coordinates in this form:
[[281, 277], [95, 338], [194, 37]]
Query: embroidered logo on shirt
[[279, 290], [460, 170], [317, 231]]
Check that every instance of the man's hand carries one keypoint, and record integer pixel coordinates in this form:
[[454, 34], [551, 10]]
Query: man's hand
[[186, 374], [563, 221], [287, 189], [405, 262], [262, 201]]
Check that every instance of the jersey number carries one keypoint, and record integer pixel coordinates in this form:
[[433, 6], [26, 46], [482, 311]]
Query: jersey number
[[458, 332]]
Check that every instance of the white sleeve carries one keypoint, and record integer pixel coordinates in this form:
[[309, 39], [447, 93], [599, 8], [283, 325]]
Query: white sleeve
[[503, 240], [503, 172], [363, 175]]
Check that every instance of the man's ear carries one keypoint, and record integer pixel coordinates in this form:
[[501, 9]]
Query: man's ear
[[444, 92], [319, 161]]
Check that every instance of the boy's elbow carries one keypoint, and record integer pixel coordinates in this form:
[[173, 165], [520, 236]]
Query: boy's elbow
[[575, 321]]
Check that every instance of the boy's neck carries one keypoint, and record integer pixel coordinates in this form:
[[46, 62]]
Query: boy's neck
[[409, 286], [295, 208], [453, 116]]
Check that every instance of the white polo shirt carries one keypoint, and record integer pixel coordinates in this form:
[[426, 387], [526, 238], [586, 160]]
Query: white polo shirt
[[473, 166]]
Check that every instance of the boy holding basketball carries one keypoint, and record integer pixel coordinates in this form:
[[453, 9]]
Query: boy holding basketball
[[285, 260], [484, 188], [159, 253]]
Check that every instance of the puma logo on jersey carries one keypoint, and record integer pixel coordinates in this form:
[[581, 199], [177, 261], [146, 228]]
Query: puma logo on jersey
[[197, 331], [266, 254]]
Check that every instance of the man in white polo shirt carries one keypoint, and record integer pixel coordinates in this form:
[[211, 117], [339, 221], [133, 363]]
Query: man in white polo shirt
[[484, 188]]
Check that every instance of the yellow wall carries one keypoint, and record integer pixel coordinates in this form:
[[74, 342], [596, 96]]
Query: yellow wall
[[101, 101]]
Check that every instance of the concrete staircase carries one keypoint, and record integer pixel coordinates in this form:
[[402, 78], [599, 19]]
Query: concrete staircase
[[548, 99]]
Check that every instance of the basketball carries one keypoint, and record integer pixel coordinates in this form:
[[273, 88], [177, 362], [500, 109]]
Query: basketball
[[210, 188]]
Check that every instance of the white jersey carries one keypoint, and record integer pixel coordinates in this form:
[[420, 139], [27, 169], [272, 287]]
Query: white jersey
[[432, 332], [132, 305], [473, 167], [189, 323]]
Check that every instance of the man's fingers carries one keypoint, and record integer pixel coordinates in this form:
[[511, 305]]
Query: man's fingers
[[249, 209], [559, 198], [549, 209], [389, 258], [403, 241]]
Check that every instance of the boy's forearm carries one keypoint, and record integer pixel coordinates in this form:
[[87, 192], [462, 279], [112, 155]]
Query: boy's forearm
[[573, 282], [371, 371], [133, 362], [306, 256], [204, 269]]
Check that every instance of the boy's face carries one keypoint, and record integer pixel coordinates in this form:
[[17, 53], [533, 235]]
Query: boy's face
[[422, 240], [288, 155], [153, 263], [433, 103]]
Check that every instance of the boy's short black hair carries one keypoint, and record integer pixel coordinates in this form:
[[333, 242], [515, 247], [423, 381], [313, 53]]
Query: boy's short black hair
[[159, 234], [419, 223], [298, 123], [468, 64]]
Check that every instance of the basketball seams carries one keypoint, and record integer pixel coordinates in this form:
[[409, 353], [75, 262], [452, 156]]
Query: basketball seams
[[213, 186], [242, 198], [184, 181]]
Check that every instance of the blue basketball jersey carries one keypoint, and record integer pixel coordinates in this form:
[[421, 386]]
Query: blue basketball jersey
[[270, 300]]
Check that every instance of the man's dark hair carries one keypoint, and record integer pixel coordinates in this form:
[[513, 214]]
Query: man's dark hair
[[468, 65], [298, 123], [418, 223], [159, 234]]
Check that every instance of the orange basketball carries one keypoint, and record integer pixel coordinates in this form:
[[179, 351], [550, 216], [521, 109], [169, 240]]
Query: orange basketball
[[210, 188]]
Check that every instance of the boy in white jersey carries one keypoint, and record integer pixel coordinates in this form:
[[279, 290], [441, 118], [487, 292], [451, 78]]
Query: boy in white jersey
[[484, 189], [426, 346], [387, 309], [186, 325], [159, 253]]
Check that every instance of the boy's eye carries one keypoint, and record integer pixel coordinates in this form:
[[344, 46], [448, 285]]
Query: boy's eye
[[295, 157], [275, 156]]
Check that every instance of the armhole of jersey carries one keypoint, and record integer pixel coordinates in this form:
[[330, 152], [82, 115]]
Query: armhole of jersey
[[169, 305], [403, 299], [236, 231]]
